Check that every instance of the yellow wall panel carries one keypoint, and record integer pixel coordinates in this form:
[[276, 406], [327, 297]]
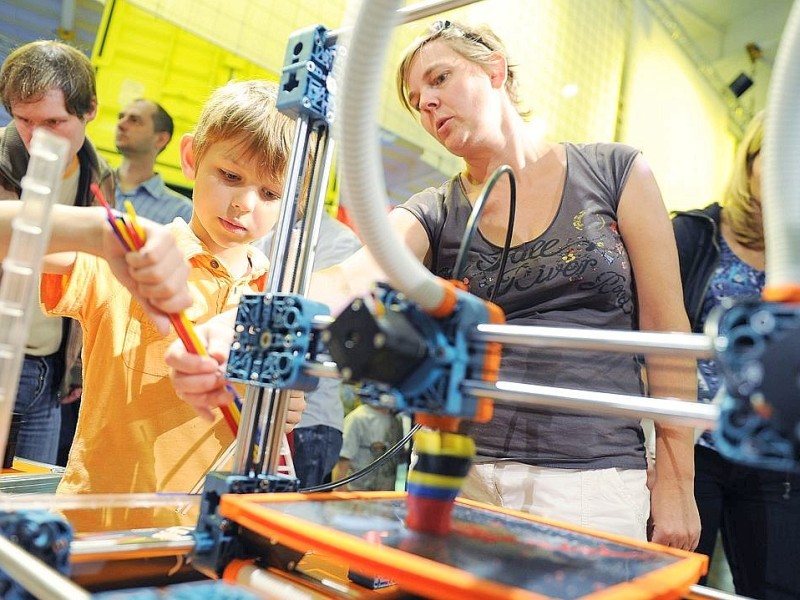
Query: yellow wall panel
[[192, 46], [138, 54], [676, 119], [553, 43]]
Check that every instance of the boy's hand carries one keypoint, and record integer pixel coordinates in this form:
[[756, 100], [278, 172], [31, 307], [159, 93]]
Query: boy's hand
[[199, 380], [156, 275], [297, 404]]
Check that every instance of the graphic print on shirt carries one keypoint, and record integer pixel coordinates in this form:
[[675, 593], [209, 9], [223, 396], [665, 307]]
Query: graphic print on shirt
[[593, 258]]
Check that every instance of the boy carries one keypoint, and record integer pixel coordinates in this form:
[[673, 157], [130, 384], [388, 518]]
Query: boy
[[133, 432], [369, 431]]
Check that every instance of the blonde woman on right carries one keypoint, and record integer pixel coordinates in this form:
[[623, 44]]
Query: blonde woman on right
[[757, 512]]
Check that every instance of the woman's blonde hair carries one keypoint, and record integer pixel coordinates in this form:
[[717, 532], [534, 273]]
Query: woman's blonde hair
[[742, 212], [477, 45]]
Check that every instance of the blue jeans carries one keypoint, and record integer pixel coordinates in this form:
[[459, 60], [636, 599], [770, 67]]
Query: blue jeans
[[38, 401], [316, 452], [758, 513]]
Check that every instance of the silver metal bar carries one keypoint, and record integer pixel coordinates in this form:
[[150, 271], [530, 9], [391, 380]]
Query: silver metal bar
[[270, 441], [697, 592], [251, 407], [313, 213], [272, 419], [608, 340], [321, 322], [415, 12], [327, 369], [649, 342], [288, 212], [68, 502], [663, 410], [88, 550], [36, 576], [423, 10]]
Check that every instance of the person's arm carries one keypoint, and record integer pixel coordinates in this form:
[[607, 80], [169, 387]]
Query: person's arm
[[649, 239], [339, 284], [156, 275], [340, 471]]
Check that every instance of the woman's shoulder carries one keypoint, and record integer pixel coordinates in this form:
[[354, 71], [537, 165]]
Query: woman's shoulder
[[603, 152], [433, 200], [604, 165], [435, 194]]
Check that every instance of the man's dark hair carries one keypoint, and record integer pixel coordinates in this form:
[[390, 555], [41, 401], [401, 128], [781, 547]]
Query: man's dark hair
[[32, 70], [162, 121]]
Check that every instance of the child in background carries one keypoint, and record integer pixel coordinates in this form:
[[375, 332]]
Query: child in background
[[369, 431], [134, 434]]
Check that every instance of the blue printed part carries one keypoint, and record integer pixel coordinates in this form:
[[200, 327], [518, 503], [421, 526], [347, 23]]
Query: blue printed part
[[303, 88], [435, 493], [759, 422], [407, 358], [273, 339], [43, 535]]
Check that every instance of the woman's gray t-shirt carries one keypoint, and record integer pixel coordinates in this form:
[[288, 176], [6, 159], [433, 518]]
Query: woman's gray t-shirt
[[575, 274]]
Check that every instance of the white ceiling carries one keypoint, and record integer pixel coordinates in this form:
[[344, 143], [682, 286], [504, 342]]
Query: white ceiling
[[722, 28]]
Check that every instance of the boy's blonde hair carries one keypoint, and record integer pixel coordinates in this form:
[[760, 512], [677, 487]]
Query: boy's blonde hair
[[245, 111], [477, 45], [740, 209]]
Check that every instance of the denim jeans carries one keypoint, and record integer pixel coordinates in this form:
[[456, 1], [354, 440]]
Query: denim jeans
[[38, 401], [316, 452], [758, 513]]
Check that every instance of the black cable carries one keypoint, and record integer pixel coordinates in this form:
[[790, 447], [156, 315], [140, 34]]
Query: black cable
[[329, 487], [474, 219]]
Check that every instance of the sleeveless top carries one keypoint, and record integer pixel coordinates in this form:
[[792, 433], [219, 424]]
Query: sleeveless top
[[575, 274]]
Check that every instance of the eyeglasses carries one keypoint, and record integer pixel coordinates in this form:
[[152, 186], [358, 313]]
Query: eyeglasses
[[442, 25]]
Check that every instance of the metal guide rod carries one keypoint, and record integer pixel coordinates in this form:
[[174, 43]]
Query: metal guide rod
[[650, 342], [275, 410], [289, 208], [13, 502], [251, 407], [84, 551], [289, 274], [313, 211], [36, 576], [607, 340], [701, 592], [327, 369], [264, 410], [665, 410], [415, 12], [273, 416]]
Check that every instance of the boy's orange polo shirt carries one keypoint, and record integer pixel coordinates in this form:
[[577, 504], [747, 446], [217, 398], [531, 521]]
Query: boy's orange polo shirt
[[134, 434]]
